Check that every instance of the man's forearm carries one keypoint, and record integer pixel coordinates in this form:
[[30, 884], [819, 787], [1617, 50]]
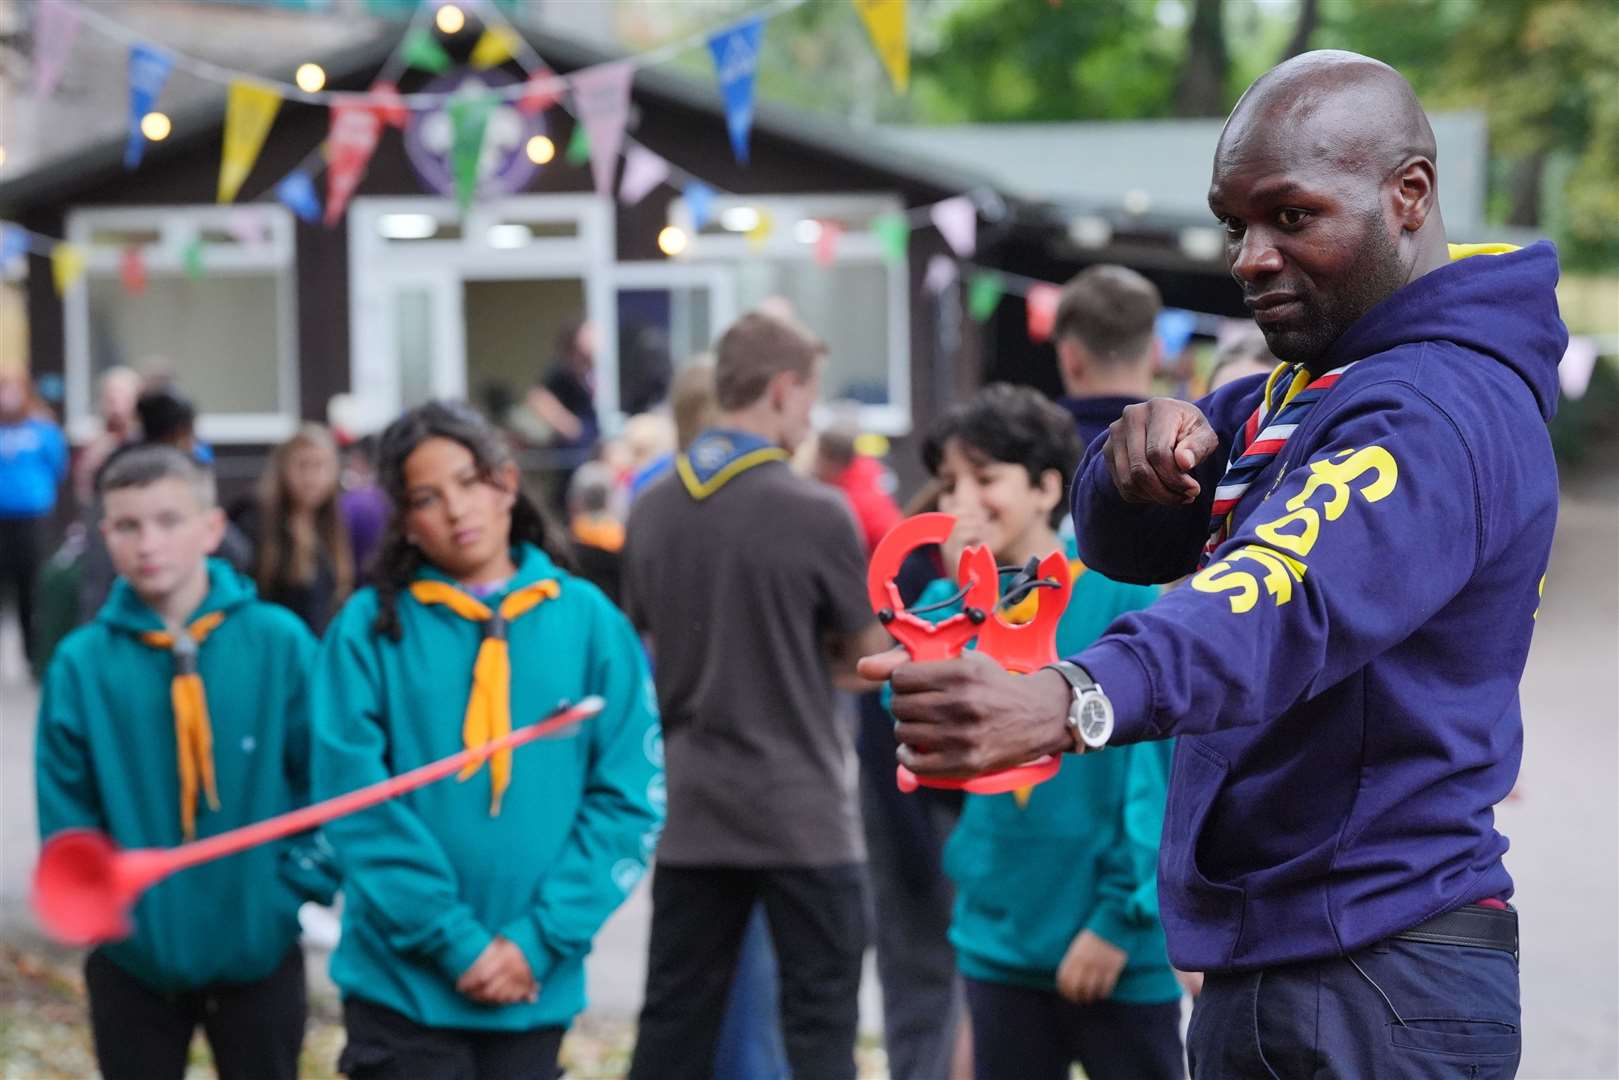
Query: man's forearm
[[1139, 543]]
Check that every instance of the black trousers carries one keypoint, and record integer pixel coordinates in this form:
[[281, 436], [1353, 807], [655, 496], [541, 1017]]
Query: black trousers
[[1020, 1033], [255, 1029], [818, 925], [22, 553], [386, 1045]]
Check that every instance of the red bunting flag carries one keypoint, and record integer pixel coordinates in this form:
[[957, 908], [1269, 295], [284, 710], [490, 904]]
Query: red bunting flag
[[355, 130], [542, 90], [390, 107], [132, 271], [1042, 302]]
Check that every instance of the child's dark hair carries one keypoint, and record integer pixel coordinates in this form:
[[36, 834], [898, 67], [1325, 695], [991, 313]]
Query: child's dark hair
[[1013, 424], [397, 561]]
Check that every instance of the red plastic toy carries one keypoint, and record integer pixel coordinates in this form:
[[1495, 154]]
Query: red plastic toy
[[1021, 648], [85, 886]]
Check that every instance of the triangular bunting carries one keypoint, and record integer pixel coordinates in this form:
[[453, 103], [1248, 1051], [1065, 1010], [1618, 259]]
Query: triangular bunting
[[942, 274], [353, 139], [826, 243], [497, 45], [577, 152], [700, 201], [957, 221], [762, 228], [13, 242], [601, 96], [56, 25], [247, 226], [390, 106], [148, 70], [469, 120], [132, 271], [191, 259], [541, 91], [885, 22], [893, 236], [422, 51], [67, 266], [643, 172], [736, 59], [249, 112], [984, 292], [1041, 300], [296, 191]]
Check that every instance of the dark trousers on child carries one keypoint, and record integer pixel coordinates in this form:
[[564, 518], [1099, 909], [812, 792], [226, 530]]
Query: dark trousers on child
[[387, 1045], [818, 925], [22, 553], [1020, 1033], [255, 1029]]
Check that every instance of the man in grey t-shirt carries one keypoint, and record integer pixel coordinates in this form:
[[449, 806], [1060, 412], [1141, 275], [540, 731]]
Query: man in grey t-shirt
[[742, 573]]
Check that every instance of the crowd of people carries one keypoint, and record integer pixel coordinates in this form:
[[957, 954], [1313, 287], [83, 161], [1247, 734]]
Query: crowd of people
[[704, 575]]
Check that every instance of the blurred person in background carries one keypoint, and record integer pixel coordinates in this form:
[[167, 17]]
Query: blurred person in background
[[302, 559], [565, 397], [1106, 347], [691, 404], [33, 463], [1244, 354], [362, 502], [596, 524], [119, 388], [864, 480]]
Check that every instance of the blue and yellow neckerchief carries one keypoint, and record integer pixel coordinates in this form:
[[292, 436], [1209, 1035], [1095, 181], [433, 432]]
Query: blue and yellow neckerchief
[[719, 456]]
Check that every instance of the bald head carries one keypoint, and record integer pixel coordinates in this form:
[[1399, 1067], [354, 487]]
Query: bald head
[[1325, 181]]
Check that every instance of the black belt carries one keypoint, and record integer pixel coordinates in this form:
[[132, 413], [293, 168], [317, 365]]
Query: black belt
[[1473, 924]]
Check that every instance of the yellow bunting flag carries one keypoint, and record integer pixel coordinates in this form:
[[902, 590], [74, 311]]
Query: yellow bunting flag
[[67, 266], [250, 109], [761, 231], [885, 22], [497, 45]]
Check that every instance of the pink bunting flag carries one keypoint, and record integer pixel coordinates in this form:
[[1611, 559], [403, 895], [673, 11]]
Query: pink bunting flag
[[355, 130], [957, 220], [540, 92], [55, 28], [248, 226], [826, 243], [601, 97], [389, 104], [132, 271], [643, 172], [942, 273], [1042, 300]]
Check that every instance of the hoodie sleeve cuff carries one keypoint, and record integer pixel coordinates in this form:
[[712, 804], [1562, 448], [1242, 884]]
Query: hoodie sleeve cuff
[[1110, 923], [1124, 679], [526, 936], [462, 947]]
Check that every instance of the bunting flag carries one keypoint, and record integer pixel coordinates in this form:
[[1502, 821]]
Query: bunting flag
[[984, 292], [700, 201], [56, 25], [826, 243], [1042, 299], [497, 45], [541, 91], [296, 191], [13, 242], [577, 152], [893, 236], [250, 110], [643, 172], [421, 50], [469, 120], [148, 70], [191, 259], [762, 228], [601, 97], [885, 22], [736, 59], [247, 226], [390, 107], [942, 274], [957, 221], [67, 266], [132, 271], [353, 139]]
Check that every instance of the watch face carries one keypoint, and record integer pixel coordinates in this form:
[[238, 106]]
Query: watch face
[[1095, 720]]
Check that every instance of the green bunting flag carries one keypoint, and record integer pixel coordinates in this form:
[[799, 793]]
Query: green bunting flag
[[422, 50], [469, 119], [191, 260], [578, 151], [893, 234], [984, 292]]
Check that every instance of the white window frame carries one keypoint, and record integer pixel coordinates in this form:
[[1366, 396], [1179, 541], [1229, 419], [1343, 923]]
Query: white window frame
[[854, 247], [177, 227]]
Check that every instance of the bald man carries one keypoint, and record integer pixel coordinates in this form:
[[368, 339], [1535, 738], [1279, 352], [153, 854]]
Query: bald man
[[1368, 529]]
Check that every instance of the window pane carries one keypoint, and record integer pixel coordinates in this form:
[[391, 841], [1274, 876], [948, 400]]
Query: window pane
[[217, 338], [847, 307], [413, 330]]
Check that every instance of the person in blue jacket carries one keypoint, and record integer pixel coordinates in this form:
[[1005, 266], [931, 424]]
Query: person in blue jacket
[[1055, 925], [1369, 528], [470, 906], [33, 463]]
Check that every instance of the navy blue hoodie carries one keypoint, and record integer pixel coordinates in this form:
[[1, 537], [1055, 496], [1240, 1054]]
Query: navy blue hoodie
[[1342, 678]]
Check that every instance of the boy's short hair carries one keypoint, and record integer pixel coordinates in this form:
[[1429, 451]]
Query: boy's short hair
[[1110, 310], [1016, 425], [756, 349], [143, 464]]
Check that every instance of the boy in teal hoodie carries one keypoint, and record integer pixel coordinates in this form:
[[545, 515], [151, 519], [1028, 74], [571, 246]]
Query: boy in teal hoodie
[[1056, 917], [470, 906], [180, 713]]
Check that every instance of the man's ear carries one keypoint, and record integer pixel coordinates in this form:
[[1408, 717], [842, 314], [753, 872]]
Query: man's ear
[[1070, 357], [1415, 193]]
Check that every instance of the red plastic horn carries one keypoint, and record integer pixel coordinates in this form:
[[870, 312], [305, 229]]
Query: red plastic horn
[[85, 885], [926, 640]]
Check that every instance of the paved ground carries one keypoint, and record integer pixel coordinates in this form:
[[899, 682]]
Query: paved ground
[[1563, 819]]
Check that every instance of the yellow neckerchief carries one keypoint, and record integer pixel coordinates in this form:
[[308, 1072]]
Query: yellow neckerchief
[[1018, 614], [489, 706], [702, 489], [598, 532], [193, 734]]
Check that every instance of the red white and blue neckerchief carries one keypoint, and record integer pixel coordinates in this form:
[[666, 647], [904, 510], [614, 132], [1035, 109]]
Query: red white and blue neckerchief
[[1290, 392]]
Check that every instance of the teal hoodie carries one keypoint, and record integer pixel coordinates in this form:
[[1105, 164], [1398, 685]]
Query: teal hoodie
[[1080, 854], [429, 878], [105, 759]]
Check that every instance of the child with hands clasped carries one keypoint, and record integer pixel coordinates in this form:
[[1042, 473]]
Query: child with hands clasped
[[1056, 918], [470, 906]]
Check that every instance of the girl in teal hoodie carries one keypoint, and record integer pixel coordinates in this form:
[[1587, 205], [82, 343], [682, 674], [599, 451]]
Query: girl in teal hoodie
[[470, 904], [1055, 925]]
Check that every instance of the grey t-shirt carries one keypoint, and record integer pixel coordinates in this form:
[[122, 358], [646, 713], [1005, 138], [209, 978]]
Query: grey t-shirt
[[738, 593]]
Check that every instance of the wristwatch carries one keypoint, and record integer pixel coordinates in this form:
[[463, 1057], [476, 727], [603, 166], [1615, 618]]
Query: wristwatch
[[1090, 713]]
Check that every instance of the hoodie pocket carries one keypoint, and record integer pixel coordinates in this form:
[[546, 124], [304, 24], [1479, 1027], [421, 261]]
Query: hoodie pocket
[[1203, 918]]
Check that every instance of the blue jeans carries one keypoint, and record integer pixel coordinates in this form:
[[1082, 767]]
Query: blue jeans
[[750, 1046], [1396, 1009]]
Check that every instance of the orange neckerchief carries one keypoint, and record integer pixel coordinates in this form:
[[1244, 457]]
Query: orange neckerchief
[[193, 735], [602, 532], [489, 707]]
